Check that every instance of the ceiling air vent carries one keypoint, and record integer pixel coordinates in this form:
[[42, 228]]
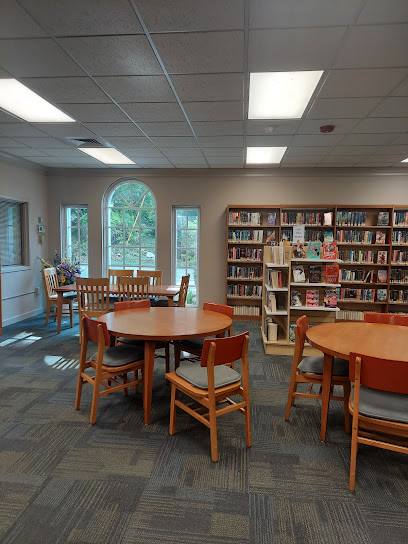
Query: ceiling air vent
[[85, 141]]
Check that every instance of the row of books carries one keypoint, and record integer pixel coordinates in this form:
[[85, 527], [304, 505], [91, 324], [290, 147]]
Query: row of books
[[271, 302], [255, 235], [245, 254], [360, 256], [245, 218], [401, 219], [247, 310], [351, 219], [277, 255], [271, 330], [362, 275], [398, 295], [350, 315], [312, 297], [245, 272], [274, 278], [311, 235], [360, 237], [243, 290], [314, 273], [400, 236], [307, 218], [316, 250], [398, 256], [369, 295], [399, 275]]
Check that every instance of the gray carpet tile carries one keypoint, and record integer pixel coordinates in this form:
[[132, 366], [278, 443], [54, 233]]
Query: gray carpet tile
[[120, 481]]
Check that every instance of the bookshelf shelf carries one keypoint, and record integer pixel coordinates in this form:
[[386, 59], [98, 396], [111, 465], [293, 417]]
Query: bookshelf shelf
[[354, 301], [244, 261], [314, 308], [273, 265], [395, 302], [258, 280], [278, 289], [244, 298], [353, 263], [399, 264], [361, 244], [279, 311], [307, 284], [378, 227], [246, 243], [368, 284], [312, 261]]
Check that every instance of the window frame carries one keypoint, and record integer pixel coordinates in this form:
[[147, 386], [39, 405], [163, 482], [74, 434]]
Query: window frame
[[25, 241], [174, 247], [64, 230]]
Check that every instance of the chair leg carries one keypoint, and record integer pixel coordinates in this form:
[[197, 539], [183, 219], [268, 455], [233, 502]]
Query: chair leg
[[47, 317], [125, 389], [177, 352], [95, 397], [136, 377], [353, 454], [167, 356], [79, 388], [292, 389], [213, 432], [248, 433], [172, 427], [347, 418], [71, 314]]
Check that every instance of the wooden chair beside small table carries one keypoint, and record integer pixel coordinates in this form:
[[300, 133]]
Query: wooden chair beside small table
[[133, 288], [182, 297], [93, 298], [50, 281]]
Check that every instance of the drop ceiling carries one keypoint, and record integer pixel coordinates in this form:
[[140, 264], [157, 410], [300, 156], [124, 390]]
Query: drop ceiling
[[166, 81]]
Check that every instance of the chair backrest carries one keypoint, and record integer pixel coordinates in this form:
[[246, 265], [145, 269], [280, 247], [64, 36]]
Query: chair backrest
[[222, 309], [93, 296], [382, 374], [90, 329], [155, 276], [226, 350], [113, 275], [300, 333], [50, 280], [182, 298], [133, 288], [386, 319], [132, 304]]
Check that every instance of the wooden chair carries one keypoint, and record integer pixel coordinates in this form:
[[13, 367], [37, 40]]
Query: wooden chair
[[386, 319], [114, 275], [155, 276], [109, 364], [194, 346], [182, 297], [310, 370], [379, 406], [133, 288], [93, 298], [211, 384], [134, 305], [50, 281]]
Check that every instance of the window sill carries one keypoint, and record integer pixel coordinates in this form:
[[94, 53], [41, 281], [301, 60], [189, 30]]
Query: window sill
[[14, 268]]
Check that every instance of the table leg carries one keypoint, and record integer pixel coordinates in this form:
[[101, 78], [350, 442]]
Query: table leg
[[170, 298], [148, 379], [60, 299], [327, 375]]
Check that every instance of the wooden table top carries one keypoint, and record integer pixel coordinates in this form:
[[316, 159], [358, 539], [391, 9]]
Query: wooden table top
[[158, 290], [165, 323], [374, 339]]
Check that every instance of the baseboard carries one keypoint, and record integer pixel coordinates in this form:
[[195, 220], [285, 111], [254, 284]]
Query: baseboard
[[21, 317]]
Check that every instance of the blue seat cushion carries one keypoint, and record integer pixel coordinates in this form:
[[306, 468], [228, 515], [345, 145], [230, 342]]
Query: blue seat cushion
[[382, 404], [197, 375], [196, 343], [314, 365], [121, 355]]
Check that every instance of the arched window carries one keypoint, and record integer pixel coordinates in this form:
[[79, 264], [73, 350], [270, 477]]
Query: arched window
[[130, 216]]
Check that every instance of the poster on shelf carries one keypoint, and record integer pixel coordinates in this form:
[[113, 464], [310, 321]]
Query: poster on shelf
[[299, 234]]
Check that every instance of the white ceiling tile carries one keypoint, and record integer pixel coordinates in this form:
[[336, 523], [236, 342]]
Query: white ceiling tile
[[335, 165], [369, 139], [297, 165], [394, 150], [137, 154], [6, 118], [378, 125], [394, 106], [316, 140], [64, 130], [305, 151], [225, 165], [363, 82], [177, 153], [68, 90], [113, 55], [190, 160], [209, 87], [257, 127], [339, 159], [208, 52], [355, 150], [151, 113], [378, 11], [222, 141], [130, 142], [341, 126], [402, 140], [214, 111], [343, 108], [19, 129], [179, 128], [42, 143], [138, 88], [48, 161], [303, 159], [114, 129], [115, 166], [269, 141], [159, 162], [298, 13], [223, 151], [4, 74], [220, 128], [383, 159], [8, 142], [26, 152], [228, 161], [374, 47], [88, 113], [402, 89], [69, 152], [184, 15], [81, 160], [36, 57], [181, 141], [75, 18], [293, 49], [16, 23]]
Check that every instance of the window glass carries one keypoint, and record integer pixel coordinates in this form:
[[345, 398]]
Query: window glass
[[186, 249], [11, 232], [75, 237]]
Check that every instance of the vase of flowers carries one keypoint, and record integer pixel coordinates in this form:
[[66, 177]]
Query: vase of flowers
[[67, 271]]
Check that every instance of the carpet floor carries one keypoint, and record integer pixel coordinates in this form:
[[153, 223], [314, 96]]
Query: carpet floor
[[120, 481]]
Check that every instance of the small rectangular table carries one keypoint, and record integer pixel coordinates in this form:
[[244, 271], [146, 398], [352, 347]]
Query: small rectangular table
[[169, 291]]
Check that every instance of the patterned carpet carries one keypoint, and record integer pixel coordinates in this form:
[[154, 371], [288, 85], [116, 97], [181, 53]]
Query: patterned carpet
[[119, 481]]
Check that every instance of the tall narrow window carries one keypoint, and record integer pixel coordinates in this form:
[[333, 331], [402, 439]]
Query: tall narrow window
[[75, 236], [131, 227], [186, 230], [12, 230]]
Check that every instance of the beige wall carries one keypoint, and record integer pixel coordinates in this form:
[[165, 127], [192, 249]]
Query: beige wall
[[27, 184], [213, 190]]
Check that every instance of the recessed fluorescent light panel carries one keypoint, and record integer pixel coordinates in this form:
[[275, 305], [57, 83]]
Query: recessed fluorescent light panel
[[265, 155], [107, 155], [281, 95], [19, 100], [405, 160]]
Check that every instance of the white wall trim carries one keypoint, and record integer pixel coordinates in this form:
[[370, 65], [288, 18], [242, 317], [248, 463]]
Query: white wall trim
[[21, 317]]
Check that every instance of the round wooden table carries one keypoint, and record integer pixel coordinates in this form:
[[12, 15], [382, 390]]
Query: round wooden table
[[158, 324], [341, 339]]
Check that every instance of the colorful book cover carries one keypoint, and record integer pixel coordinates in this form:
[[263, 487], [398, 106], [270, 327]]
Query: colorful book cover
[[315, 273], [383, 218], [295, 298], [313, 250], [332, 273], [382, 276], [380, 237], [298, 273], [328, 219], [271, 218], [382, 295], [330, 298], [328, 236], [330, 251], [299, 251], [292, 333], [382, 257], [271, 237], [312, 298]]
